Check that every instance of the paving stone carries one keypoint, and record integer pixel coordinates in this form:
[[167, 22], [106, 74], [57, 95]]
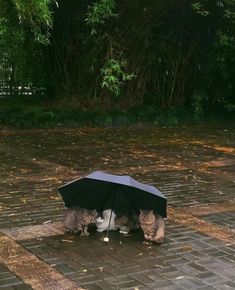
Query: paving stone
[[144, 287], [171, 287], [143, 278], [197, 267], [221, 269], [129, 285], [91, 279], [211, 278], [120, 279], [188, 282], [178, 262], [6, 275], [230, 284], [222, 287], [156, 277], [10, 281], [105, 285], [22, 287], [207, 288], [206, 276], [65, 269], [93, 287]]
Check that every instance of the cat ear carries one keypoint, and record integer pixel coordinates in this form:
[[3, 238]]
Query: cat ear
[[141, 211]]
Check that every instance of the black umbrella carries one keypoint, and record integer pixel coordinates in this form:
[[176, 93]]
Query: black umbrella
[[122, 194]]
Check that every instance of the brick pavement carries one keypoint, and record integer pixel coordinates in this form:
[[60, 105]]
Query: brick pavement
[[194, 167]]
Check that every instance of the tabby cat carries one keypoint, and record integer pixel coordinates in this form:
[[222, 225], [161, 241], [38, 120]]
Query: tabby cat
[[126, 222], [153, 226], [77, 219]]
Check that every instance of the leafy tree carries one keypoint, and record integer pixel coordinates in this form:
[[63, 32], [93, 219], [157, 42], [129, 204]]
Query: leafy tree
[[24, 29], [124, 53]]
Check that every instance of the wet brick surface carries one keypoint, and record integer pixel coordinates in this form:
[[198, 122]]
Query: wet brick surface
[[9, 281], [225, 219], [191, 166]]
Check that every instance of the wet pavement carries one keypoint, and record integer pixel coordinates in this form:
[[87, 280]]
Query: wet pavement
[[193, 166]]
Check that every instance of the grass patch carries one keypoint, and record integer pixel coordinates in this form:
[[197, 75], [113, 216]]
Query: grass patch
[[33, 113]]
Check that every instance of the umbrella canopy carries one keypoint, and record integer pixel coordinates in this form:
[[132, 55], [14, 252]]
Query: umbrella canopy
[[121, 193]]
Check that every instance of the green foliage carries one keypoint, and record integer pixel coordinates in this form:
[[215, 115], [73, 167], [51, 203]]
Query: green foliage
[[32, 113], [114, 72], [122, 54], [114, 75], [100, 12], [199, 9], [36, 15], [24, 29]]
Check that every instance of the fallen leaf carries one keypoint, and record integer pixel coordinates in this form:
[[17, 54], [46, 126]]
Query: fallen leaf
[[23, 200], [140, 254], [13, 256], [46, 222], [185, 248]]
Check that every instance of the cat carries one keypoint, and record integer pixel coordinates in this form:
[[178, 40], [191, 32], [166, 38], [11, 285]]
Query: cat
[[104, 222], [153, 226], [123, 222], [77, 219], [126, 222]]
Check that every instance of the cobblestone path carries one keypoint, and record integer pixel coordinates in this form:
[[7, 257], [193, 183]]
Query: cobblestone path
[[194, 167]]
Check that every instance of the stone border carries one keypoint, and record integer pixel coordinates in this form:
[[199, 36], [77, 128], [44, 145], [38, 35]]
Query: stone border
[[182, 216], [205, 209], [33, 271], [34, 231]]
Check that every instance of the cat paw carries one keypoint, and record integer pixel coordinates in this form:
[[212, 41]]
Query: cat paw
[[159, 241], [148, 238], [147, 242], [123, 232]]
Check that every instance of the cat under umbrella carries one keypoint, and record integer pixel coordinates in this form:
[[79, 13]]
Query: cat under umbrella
[[113, 202], [77, 220]]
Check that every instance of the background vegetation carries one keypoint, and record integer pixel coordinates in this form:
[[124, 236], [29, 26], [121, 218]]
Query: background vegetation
[[87, 60]]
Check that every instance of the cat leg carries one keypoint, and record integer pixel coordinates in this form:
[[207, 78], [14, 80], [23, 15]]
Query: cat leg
[[78, 230], [124, 230], [85, 231], [147, 235], [68, 230], [159, 236]]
